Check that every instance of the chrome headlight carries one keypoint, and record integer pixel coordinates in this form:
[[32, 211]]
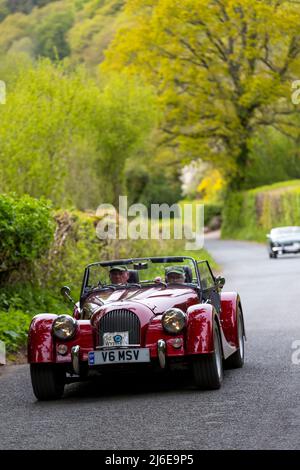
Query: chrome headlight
[[174, 320], [64, 327]]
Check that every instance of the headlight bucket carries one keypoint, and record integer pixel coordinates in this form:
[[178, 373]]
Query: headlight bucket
[[89, 308], [64, 327], [173, 320]]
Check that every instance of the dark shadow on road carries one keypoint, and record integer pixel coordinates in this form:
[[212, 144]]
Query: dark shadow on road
[[130, 384]]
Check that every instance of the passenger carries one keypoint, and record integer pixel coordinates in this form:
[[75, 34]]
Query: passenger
[[175, 275]]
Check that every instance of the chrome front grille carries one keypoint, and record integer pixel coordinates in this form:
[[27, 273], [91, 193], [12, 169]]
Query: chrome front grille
[[118, 321]]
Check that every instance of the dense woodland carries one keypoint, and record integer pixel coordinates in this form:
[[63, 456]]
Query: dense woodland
[[114, 94]]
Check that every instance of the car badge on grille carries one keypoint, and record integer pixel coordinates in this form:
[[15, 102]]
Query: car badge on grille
[[118, 339]]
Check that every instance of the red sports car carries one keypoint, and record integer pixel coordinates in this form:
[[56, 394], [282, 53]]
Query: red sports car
[[157, 313]]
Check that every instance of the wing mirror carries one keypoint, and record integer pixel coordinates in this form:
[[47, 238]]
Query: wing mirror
[[65, 292], [220, 281]]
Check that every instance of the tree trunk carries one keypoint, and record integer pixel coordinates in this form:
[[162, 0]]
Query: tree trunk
[[238, 180]]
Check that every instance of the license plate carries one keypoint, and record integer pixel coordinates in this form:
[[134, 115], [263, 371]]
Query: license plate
[[118, 338], [117, 356]]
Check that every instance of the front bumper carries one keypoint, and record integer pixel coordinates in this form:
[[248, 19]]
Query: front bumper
[[160, 359], [285, 249]]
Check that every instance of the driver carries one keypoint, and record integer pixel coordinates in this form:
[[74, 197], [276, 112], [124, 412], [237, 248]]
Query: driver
[[119, 275], [175, 274]]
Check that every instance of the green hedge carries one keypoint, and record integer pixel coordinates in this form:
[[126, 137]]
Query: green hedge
[[249, 215], [26, 231], [57, 246]]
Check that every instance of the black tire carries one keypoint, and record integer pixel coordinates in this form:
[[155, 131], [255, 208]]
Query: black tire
[[208, 369], [48, 381], [236, 360]]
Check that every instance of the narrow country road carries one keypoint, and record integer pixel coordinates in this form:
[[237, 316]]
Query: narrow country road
[[258, 406]]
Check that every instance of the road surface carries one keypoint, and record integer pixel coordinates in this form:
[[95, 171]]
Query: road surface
[[258, 406]]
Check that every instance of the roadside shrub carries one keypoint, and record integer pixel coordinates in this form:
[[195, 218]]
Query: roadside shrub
[[251, 214], [13, 329], [26, 231], [31, 299], [75, 245]]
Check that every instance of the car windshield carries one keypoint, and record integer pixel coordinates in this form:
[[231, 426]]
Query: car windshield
[[141, 272], [284, 230]]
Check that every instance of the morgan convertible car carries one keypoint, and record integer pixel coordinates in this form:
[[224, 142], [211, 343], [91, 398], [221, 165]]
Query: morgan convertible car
[[151, 313], [283, 240]]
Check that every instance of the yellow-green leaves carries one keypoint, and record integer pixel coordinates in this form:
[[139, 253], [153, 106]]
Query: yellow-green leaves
[[221, 68], [67, 136]]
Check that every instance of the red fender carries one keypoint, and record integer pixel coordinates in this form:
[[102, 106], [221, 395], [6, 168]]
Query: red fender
[[200, 329], [155, 332], [42, 345], [229, 305], [40, 340]]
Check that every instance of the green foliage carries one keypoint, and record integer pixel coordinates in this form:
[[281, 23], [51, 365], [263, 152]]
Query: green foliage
[[75, 129], [18, 304], [26, 231], [50, 35], [124, 117], [25, 6], [31, 299], [222, 71], [75, 245], [161, 189], [211, 211], [14, 327], [251, 214], [81, 29], [149, 185], [4, 11], [93, 30], [274, 157]]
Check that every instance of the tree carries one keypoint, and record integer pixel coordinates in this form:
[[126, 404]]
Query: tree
[[66, 136], [25, 6], [222, 68], [124, 118], [50, 35]]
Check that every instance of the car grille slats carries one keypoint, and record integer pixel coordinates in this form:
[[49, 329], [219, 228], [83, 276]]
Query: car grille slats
[[118, 321]]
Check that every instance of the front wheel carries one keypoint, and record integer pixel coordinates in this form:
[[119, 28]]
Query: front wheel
[[208, 369], [48, 381]]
